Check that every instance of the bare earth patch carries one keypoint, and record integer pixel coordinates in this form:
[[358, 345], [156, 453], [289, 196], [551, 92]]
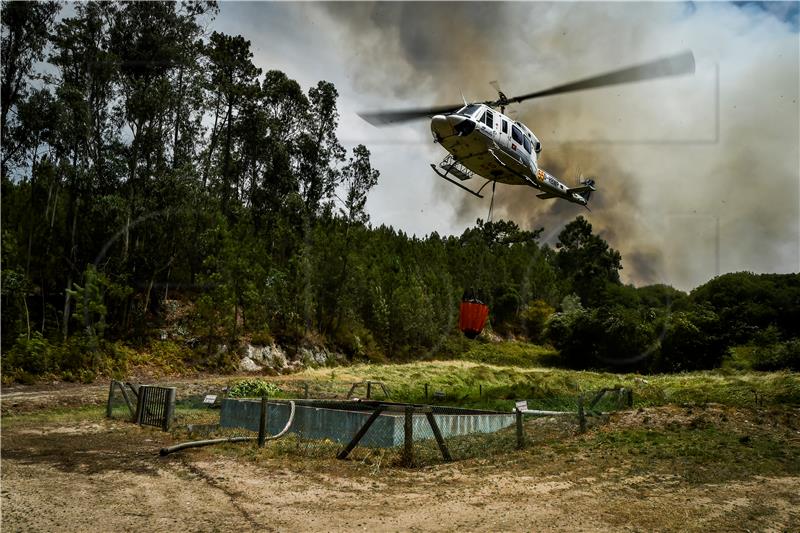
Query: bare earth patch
[[90, 473]]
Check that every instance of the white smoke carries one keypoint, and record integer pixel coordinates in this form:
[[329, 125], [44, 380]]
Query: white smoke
[[669, 168]]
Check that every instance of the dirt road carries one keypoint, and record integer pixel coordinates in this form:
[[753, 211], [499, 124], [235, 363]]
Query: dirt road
[[86, 473]]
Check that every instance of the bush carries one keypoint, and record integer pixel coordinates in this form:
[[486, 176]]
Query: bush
[[689, 341], [261, 338], [618, 339], [779, 356], [534, 318], [254, 388], [31, 356]]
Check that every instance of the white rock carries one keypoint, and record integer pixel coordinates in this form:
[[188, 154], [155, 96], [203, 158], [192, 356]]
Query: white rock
[[248, 365]]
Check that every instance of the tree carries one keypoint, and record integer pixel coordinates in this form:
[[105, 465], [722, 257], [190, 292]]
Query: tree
[[232, 85], [587, 261], [25, 28]]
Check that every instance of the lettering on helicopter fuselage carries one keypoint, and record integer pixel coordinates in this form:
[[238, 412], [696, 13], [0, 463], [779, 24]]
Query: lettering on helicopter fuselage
[[544, 177]]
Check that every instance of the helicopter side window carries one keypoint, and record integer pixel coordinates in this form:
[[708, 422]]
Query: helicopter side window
[[527, 143], [488, 119], [516, 134], [505, 126]]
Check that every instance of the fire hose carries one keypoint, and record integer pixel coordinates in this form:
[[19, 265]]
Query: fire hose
[[200, 443]]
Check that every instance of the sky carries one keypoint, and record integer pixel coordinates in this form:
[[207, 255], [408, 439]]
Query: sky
[[696, 175]]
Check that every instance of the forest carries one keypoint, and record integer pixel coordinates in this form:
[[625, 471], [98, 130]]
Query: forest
[[146, 159]]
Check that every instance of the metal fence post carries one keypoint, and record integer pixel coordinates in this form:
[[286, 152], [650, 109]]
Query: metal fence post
[[369, 389], [408, 437], [426, 391], [262, 423], [520, 434], [581, 415], [305, 390]]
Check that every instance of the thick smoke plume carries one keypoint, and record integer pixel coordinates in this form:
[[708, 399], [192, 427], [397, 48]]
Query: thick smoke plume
[[674, 159]]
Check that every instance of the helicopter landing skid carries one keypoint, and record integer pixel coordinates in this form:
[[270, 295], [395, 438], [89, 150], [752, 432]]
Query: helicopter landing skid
[[454, 182]]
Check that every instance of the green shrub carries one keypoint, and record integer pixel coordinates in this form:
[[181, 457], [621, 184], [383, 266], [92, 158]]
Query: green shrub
[[31, 356], [534, 318], [778, 356], [689, 341], [617, 338], [254, 388], [261, 338]]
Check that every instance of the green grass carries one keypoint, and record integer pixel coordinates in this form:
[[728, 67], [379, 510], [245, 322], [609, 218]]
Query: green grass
[[462, 380], [511, 353], [699, 455], [55, 416]]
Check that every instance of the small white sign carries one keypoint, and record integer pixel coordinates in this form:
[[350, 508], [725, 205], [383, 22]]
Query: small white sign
[[522, 405], [210, 398]]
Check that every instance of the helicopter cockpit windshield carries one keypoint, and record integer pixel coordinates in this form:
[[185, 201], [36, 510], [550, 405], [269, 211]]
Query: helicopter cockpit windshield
[[469, 110]]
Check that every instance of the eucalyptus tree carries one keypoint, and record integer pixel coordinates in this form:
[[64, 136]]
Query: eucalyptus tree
[[25, 33]]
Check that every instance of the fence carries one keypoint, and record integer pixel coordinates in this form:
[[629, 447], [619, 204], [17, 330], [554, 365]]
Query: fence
[[155, 406], [377, 432], [404, 434]]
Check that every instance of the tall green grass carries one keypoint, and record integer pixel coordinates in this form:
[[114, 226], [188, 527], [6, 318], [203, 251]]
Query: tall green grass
[[462, 381]]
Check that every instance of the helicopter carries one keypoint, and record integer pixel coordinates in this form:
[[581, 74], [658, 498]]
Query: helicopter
[[486, 143]]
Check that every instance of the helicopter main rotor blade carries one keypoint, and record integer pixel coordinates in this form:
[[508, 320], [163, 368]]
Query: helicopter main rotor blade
[[384, 118], [676, 65]]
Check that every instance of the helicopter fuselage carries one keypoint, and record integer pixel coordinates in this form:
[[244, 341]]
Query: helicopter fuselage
[[496, 148]]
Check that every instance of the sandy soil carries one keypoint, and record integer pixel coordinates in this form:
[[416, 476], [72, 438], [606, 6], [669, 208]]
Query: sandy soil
[[106, 475]]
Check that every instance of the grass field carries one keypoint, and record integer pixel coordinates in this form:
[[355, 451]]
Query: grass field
[[698, 451], [462, 381]]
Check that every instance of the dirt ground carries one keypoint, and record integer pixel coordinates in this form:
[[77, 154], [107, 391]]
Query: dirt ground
[[87, 473]]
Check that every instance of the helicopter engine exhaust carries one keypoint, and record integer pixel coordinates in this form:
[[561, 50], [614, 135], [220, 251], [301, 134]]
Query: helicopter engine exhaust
[[443, 126]]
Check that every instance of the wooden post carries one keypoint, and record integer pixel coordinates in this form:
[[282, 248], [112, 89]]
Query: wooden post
[[350, 392], [408, 437], [125, 397], [305, 390], [383, 387], [629, 393], [361, 432], [141, 393], [110, 394], [520, 434], [369, 389], [438, 435], [426, 391], [480, 391], [262, 423], [169, 408], [581, 415]]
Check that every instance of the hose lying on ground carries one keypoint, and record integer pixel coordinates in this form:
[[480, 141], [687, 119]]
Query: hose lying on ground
[[200, 443]]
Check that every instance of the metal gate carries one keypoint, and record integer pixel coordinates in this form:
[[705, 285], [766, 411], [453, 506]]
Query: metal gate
[[156, 406]]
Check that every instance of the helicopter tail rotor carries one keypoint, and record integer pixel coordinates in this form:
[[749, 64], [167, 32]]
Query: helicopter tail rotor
[[589, 189]]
